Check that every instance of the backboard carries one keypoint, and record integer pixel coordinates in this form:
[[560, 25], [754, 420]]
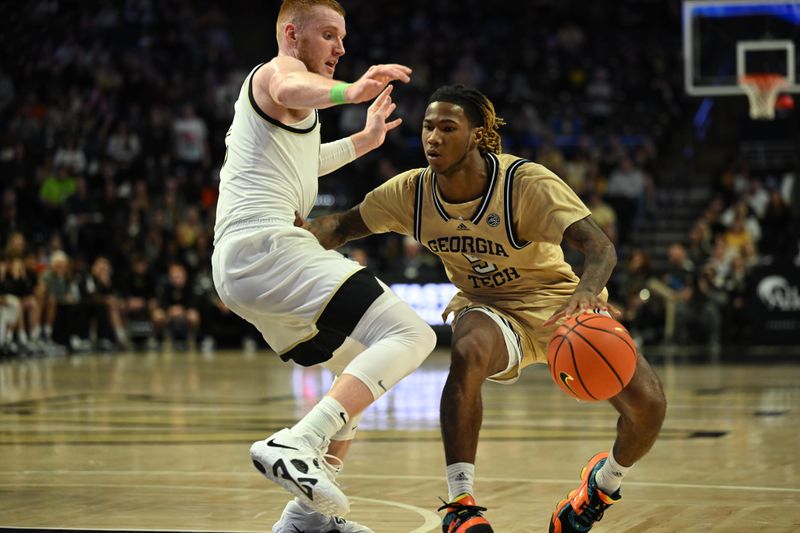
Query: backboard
[[724, 40]]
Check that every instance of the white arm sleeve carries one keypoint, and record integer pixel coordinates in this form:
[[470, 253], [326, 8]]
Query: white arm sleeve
[[335, 155]]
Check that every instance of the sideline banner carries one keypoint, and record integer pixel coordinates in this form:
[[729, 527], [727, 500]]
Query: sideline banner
[[773, 303]]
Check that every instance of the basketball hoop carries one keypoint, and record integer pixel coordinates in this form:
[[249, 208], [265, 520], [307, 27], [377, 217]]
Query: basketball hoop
[[762, 92]]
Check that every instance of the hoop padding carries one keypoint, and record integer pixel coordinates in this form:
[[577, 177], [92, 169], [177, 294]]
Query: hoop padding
[[762, 91]]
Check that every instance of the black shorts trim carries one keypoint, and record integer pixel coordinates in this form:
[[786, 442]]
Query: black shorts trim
[[338, 319]]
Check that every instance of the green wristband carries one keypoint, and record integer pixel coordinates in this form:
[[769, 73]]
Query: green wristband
[[337, 93]]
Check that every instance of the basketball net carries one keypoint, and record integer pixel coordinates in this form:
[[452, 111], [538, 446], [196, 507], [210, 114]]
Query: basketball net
[[762, 92]]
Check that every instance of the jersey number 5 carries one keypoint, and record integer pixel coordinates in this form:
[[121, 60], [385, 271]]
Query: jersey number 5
[[479, 265]]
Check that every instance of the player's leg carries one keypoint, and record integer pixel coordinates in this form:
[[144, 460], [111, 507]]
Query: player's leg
[[478, 351], [391, 342], [298, 516], [395, 341], [642, 407], [483, 346]]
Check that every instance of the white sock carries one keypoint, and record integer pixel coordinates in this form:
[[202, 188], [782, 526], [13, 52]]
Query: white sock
[[460, 477], [324, 420], [609, 477]]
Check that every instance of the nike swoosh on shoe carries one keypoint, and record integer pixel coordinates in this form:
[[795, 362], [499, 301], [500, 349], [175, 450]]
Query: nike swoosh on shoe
[[272, 444]]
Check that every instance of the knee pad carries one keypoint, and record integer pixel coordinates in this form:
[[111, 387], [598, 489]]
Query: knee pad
[[397, 341]]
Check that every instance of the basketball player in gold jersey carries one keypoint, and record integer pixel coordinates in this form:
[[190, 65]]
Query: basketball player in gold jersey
[[497, 222]]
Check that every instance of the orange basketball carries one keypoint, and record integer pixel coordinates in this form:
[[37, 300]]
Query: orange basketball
[[592, 357]]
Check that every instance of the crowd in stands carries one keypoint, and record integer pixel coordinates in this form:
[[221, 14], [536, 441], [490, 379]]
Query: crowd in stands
[[112, 122], [702, 293]]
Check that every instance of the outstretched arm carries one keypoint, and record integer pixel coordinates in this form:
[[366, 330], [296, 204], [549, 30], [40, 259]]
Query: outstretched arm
[[600, 258], [289, 84], [334, 230], [336, 154]]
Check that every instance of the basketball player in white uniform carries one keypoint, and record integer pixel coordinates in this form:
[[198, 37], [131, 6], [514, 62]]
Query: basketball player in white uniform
[[497, 221], [312, 306]]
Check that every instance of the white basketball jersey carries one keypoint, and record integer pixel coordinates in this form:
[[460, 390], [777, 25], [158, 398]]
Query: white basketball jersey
[[271, 169]]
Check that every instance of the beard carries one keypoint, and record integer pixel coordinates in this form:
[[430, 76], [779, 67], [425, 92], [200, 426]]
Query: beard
[[312, 64]]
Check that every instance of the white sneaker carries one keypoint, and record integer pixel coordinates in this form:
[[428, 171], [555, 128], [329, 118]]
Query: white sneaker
[[297, 519], [296, 465]]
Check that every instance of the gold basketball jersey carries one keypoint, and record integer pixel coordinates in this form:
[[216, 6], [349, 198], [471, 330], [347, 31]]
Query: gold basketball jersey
[[501, 250]]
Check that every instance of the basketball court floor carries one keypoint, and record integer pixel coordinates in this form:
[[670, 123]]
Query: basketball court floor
[[159, 442]]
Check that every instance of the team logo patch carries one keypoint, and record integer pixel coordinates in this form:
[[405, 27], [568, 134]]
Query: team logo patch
[[493, 220]]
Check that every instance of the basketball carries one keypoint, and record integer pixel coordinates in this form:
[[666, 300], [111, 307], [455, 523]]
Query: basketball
[[592, 357]]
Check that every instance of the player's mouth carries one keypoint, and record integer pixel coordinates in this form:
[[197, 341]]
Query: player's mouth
[[331, 64], [432, 155]]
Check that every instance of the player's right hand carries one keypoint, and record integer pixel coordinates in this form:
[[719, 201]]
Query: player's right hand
[[374, 80]]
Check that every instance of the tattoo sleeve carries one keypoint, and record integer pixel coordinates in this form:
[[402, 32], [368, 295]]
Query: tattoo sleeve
[[600, 257], [336, 229]]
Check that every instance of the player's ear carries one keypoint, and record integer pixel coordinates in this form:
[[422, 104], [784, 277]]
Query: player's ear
[[477, 135], [290, 32]]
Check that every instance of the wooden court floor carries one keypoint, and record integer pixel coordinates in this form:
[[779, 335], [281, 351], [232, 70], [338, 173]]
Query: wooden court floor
[[160, 442]]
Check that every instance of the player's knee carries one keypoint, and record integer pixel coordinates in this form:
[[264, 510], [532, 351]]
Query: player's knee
[[420, 339], [469, 354], [657, 402], [650, 406], [426, 340]]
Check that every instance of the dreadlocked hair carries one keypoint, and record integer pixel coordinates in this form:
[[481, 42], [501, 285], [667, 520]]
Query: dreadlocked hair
[[479, 110]]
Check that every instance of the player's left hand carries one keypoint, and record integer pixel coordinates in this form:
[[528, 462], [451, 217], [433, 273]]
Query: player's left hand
[[581, 302], [300, 222], [376, 126], [318, 228]]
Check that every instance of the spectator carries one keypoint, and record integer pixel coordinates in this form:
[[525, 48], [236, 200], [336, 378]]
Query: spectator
[[702, 320], [62, 296], [56, 189], [626, 193], [177, 308], [737, 237], [21, 282], [100, 306], [741, 211], [191, 139], [640, 312], [776, 240], [124, 146], [138, 300], [736, 317], [699, 245], [70, 156]]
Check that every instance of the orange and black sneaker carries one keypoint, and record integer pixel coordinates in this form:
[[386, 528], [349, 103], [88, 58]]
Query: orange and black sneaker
[[463, 516], [585, 505]]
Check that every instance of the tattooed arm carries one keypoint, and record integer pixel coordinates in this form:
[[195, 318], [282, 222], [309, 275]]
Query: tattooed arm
[[334, 230], [600, 258]]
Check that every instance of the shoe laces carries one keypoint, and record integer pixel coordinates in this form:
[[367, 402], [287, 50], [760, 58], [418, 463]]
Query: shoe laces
[[593, 512], [332, 465], [460, 509]]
